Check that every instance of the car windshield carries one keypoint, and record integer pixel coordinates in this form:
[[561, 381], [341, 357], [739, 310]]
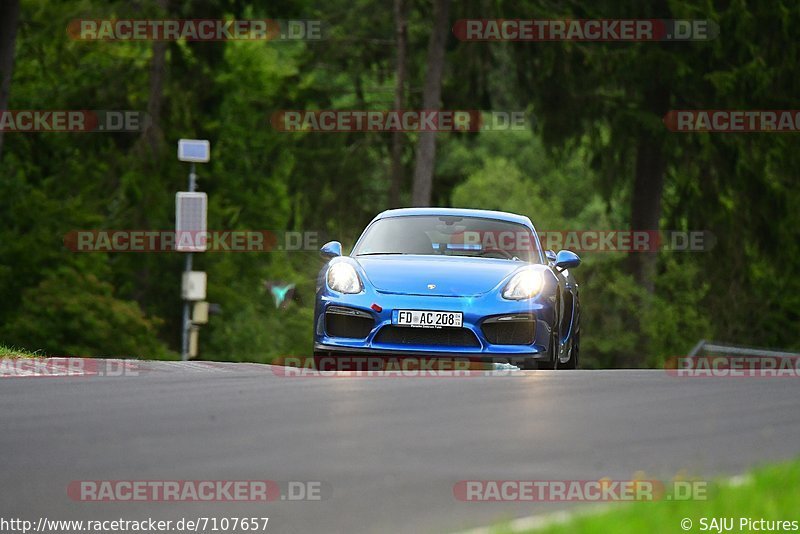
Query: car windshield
[[448, 235]]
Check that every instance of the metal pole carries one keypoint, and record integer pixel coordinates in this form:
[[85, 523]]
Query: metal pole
[[192, 179], [187, 324]]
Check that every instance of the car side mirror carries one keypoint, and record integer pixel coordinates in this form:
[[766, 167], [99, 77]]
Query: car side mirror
[[331, 250], [566, 259], [550, 255]]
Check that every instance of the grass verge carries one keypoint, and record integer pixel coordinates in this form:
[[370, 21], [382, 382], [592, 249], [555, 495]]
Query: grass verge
[[770, 493], [10, 352]]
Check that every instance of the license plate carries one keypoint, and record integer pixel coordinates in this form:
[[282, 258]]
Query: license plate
[[428, 319]]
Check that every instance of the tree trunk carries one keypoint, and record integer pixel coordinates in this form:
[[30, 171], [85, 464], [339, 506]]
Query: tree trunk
[[152, 134], [9, 18], [431, 96], [648, 186], [401, 39]]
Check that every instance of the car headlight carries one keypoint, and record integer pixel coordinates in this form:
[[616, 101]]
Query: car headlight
[[342, 277], [524, 285]]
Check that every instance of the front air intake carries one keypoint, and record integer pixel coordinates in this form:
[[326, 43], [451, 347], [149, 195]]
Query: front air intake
[[510, 329], [348, 322], [448, 337]]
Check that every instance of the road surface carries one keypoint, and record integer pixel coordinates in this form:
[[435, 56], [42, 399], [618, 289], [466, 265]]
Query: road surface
[[387, 449]]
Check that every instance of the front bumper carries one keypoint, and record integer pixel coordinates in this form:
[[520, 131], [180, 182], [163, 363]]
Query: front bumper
[[475, 310]]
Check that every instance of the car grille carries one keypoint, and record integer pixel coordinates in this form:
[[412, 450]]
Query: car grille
[[450, 337], [510, 330], [348, 322]]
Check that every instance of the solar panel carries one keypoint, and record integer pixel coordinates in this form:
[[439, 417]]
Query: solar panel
[[194, 150], [190, 222]]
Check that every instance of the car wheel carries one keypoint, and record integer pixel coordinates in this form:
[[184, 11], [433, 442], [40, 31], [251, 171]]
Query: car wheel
[[552, 363]]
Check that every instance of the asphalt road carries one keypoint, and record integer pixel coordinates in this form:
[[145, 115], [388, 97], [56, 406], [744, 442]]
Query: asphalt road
[[388, 450]]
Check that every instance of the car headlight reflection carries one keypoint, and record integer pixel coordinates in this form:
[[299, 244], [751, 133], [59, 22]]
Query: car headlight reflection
[[342, 277], [524, 285]]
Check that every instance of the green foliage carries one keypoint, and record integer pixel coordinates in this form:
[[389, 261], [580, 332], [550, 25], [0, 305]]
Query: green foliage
[[675, 318], [70, 313], [616, 309], [499, 185], [610, 314], [511, 171]]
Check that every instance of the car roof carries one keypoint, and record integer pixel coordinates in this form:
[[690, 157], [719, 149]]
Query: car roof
[[459, 212]]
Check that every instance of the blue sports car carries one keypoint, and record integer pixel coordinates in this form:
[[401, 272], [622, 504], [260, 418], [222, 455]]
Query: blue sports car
[[449, 283]]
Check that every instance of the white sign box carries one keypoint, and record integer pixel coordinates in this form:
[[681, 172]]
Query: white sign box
[[193, 285]]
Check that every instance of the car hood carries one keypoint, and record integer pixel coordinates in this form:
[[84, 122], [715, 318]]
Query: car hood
[[451, 276]]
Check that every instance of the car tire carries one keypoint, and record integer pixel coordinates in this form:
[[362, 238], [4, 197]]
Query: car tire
[[574, 353], [552, 362]]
